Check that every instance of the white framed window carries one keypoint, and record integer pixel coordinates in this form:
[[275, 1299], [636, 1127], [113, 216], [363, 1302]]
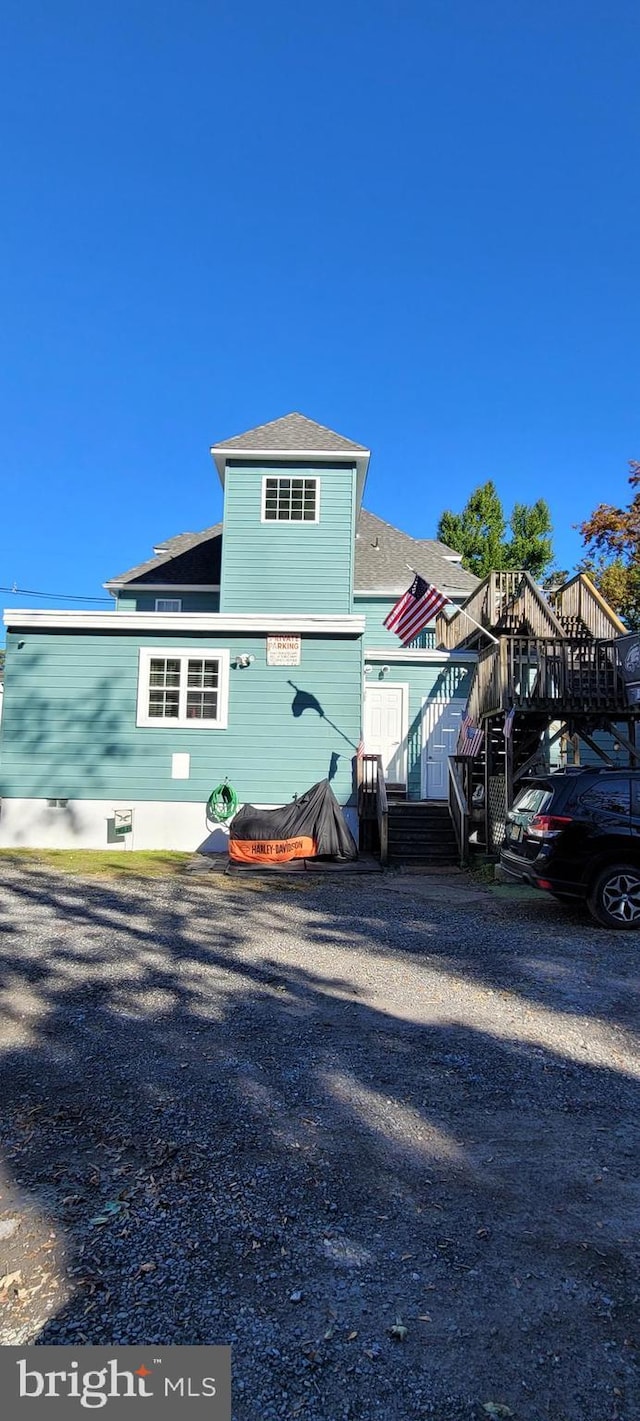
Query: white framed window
[[290, 500], [184, 688], [168, 604]]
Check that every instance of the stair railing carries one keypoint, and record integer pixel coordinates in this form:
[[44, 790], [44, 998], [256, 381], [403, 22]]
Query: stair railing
[[459, 808], [373, 803], [382, 810]]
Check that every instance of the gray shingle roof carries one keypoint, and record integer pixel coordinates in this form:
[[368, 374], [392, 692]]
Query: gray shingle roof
[[384, 556], [186, 559], [292, 432]]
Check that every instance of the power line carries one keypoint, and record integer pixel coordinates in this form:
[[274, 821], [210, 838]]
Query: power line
[[53, 596]]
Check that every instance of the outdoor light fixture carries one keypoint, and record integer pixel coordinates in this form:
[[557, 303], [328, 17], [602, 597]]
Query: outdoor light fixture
[[244, 660], [367, 670]]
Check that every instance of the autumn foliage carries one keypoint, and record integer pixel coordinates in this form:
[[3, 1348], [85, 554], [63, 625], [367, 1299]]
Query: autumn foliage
[[612, 540]]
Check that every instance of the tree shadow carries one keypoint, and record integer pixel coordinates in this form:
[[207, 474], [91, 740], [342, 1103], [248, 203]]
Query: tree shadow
[[282, 1121]]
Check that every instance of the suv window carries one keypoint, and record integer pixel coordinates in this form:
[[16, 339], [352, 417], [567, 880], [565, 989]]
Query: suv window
[[533, 800], [609, 795]]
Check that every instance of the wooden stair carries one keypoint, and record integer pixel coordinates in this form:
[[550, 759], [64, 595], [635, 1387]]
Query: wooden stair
[[421, 832]]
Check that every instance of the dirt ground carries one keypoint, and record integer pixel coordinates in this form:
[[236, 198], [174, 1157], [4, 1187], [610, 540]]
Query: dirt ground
[[380, 1134]]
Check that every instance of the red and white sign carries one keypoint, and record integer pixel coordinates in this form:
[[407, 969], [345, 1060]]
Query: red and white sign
[[283, 651]]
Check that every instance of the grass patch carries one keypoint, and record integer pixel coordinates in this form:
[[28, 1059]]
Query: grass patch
[[482, 872], [98, 863]]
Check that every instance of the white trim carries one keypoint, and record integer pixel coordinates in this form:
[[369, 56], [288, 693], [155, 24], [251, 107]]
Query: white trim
[[358, 458], [393, 686], [338, 455], [398, 591], [214, 622], [430, 655], [184, 654], [168, 609], [299, 522], [162, 586], [378, 591]]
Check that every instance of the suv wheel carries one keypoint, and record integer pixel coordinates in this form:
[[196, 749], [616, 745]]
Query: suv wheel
[[614, 897]]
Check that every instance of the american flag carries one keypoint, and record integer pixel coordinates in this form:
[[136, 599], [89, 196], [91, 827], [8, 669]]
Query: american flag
[[419, 605], [360, 749], [470, 739], [508, 724]]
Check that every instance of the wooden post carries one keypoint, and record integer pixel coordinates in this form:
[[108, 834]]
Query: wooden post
[[508, 770], [487, 773], [506, 691]]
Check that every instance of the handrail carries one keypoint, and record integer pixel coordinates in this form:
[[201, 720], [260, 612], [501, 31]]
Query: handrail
[[382, 807], [458, 811], [372, 799]]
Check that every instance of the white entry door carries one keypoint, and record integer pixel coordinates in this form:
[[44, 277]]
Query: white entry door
[[441, 722], [386, 727]]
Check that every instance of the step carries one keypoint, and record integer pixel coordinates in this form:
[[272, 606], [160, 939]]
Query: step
[[423, 851], [403, 815], [401, 852]]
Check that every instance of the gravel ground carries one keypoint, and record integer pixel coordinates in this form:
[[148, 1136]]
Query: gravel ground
[[379, 1135]]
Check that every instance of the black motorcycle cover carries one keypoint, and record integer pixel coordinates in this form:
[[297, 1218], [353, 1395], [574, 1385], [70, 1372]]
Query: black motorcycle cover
[[312, 826]]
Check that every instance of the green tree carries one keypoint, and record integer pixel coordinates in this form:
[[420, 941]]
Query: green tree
[[479, 533], [611, 537]]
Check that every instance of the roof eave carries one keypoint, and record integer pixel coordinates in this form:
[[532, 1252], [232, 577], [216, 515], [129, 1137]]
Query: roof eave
[[359, 457]]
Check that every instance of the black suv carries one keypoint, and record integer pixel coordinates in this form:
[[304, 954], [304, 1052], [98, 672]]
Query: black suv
[[576, 833]]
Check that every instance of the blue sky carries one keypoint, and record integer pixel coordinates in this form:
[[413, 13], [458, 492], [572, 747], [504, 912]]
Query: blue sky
[[417, 223]]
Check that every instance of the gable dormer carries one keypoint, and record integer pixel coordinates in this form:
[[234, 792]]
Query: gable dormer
[[292, 490]]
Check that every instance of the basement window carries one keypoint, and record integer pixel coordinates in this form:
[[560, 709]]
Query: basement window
[[186, 688], [290, 500]]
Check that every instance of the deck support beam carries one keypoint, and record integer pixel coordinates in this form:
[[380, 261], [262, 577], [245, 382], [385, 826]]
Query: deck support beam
[[536, 755], [629, 745], [597, 749]]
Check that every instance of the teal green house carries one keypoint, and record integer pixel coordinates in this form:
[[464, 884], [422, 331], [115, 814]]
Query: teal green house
[[253, 651]]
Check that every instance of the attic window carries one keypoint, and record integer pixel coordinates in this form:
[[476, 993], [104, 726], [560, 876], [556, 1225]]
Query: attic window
[[289, 500]]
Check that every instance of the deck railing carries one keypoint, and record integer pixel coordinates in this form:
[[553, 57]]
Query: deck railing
[[580, 605], [530, 673], [502, 602], [373, 805]]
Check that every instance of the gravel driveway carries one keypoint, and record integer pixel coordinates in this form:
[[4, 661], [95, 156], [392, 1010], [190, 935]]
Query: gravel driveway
[[379, 1136]]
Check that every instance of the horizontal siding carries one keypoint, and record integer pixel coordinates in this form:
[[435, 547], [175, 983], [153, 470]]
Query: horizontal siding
[[588, 757], [68, 728], [287, 567], [146, 601], [375, 609]]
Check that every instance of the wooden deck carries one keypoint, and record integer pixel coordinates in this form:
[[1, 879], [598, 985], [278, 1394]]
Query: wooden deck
[[559, 677]]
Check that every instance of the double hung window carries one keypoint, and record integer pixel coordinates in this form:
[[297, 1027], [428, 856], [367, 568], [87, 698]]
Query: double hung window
[[187, 688]]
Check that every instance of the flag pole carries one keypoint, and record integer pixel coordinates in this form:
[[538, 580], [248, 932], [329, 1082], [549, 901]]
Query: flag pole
[[466, 614]]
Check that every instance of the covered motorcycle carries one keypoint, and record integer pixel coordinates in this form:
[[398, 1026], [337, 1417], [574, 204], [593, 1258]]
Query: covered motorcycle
[[312, 826]]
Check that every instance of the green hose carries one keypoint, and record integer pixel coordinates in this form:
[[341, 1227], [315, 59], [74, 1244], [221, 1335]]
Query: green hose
[[222, 803]]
